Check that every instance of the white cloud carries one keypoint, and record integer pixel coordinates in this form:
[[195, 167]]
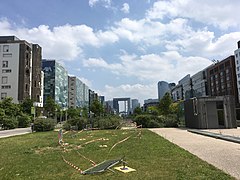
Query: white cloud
[[125, 8], [134, 91], [105, 3], [61, 42], [220, 13], [169, 66]]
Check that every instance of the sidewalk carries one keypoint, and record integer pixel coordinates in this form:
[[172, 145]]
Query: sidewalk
[[221, 154], [14, 132]]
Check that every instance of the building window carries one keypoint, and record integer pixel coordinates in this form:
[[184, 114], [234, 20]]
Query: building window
[[6, 70], [6, 87], [237, 68], [3, 95], [5, 48], [236, 55], [4, 80], [7, 55], [5, 64]]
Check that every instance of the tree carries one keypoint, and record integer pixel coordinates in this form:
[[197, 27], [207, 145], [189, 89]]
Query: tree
[[137, 111], [26, 106], [73, 112], [10, 109], [50, 106], [97, 108], [176, 108], [153, 110], [164, 104]]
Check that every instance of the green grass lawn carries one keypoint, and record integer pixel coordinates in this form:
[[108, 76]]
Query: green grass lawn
[[38, 156]]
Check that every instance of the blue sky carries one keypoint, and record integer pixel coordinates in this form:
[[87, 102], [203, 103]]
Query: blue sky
[[122, 48]]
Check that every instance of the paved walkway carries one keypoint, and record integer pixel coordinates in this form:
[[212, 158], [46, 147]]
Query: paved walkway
[[14, 132], [222, 154]]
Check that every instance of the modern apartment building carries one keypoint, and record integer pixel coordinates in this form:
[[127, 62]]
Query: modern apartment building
[[237, 63], [77, 93], [20, 69], [199, 84], [183, 90], [222, 79], [55, 82], [177, 93]]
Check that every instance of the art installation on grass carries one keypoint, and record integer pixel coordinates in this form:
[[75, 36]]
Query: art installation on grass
[[106, 164]]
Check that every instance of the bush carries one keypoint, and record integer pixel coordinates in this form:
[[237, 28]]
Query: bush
[[143, 120], [44, 124], [67, 126], [9, 122], [170, 121], [24, 121], [150, 121], [110, 122], [78, 122]]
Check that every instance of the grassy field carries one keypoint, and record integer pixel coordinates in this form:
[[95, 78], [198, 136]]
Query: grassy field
[[38, 156]]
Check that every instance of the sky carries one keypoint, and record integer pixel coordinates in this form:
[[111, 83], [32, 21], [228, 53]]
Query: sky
[[122, 48]]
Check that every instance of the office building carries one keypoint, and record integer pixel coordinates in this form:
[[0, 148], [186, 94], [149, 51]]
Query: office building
[[77, 93], [163, 88], [55, 82]]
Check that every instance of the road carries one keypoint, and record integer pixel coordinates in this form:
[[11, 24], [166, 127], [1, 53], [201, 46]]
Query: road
[[14, 132]]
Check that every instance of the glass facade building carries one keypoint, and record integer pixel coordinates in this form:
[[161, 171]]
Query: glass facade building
[[77, 93], [55, 82]]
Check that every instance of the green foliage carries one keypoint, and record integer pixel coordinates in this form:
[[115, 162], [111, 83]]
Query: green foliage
[[24, 121], [97, 108], [151, 121], [79, 122], [170, 120], [108, 122], [50, 107], [44, 124], [9, 122], [9, 108], [137, 111], [73, 112], [153, 110], [67, 126], [26, 106], [164, 104]]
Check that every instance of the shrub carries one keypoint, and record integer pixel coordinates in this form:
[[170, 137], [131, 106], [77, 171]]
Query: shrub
[[24, 121], [170, 121], [44, 124], [109, 122], [78, 122], [143, 120], [67, 126], [9, 122]]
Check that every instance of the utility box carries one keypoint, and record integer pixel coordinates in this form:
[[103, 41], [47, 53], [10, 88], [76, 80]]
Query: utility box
[[210, 112]]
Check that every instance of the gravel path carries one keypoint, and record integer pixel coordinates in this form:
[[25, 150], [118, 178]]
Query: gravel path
[[222, 154]]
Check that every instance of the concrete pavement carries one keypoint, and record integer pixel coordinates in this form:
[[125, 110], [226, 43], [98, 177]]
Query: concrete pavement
[[14, 132], [221, 154]]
